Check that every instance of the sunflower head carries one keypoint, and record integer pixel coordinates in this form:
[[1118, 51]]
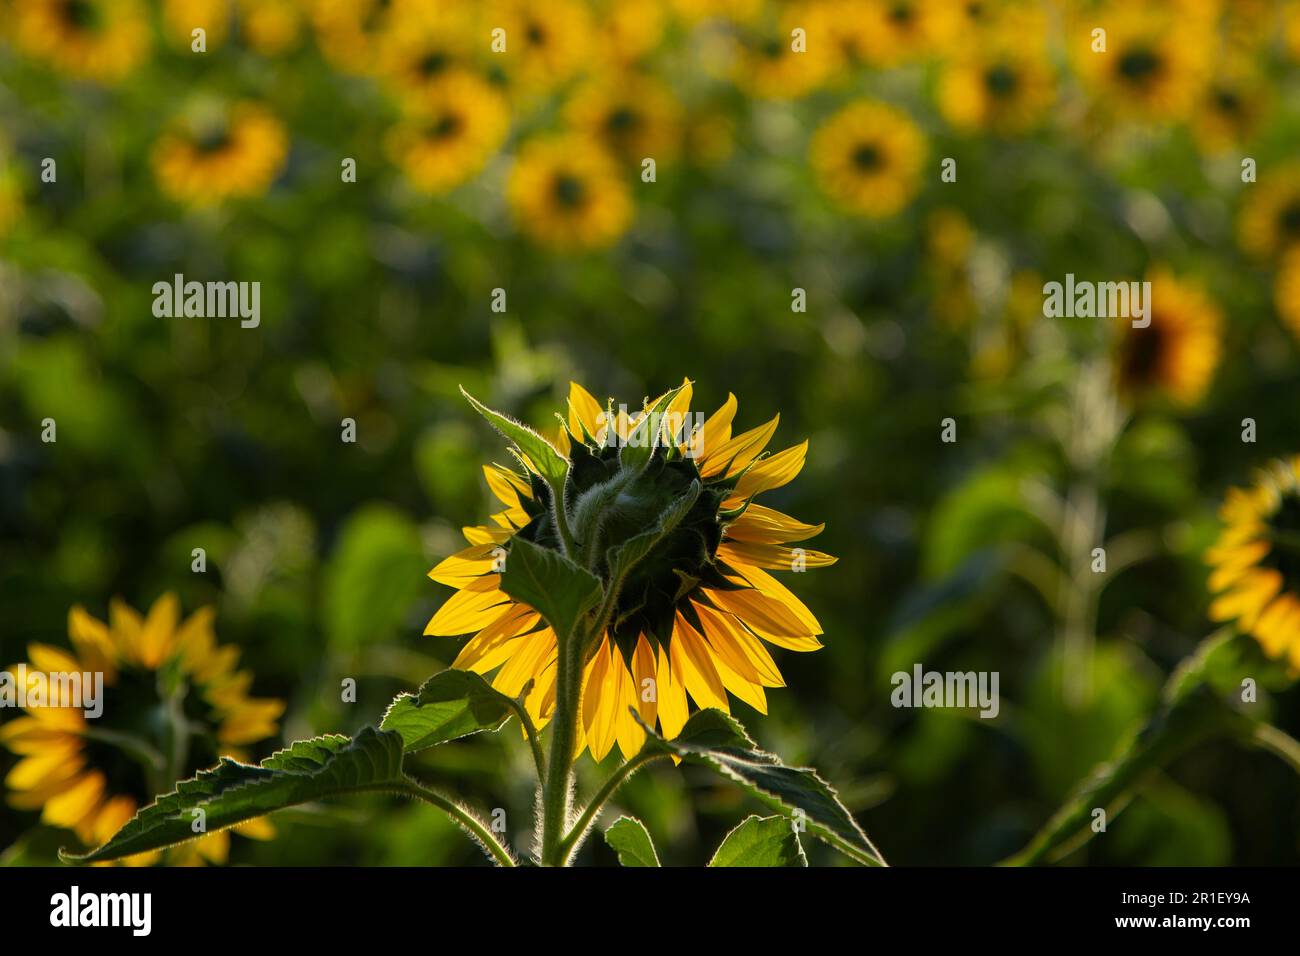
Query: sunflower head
[[1175, 355], [689, 615], [89, 771], [1256, 561]]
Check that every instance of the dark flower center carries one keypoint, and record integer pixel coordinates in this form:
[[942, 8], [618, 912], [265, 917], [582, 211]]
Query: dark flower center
[[1001, 80], [82, 15], [867, 157], [1140, 64], [1143, 355], [1289, 220], [570, 191], [432, 63], [1284, 536]]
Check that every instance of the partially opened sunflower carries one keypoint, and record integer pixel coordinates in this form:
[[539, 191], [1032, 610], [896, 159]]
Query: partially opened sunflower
[[693, 618]]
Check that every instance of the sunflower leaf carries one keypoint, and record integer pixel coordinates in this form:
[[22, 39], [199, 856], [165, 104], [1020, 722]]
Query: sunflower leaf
[[233, 792], [761, 841], [550, 584], [629, 838], [716, 740], [450, 704], [550, 464], [644, 439]]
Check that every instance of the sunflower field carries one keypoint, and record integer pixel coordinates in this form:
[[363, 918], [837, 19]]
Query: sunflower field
[[566, 425]]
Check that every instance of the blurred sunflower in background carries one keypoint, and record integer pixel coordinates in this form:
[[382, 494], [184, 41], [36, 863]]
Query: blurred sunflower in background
[[422, 46], [868, 157], [544, 46], [1004, 87], [173, 702], [1269, 223], [899, 31], [631, 116], [272, 27], [766, 63], [1256, 561], [1231, 107], [1175, 356], [180, 18], [1153, 67], [1286, 292], [692, 618], [100, 40], [218, 153], [450, 132], [349, 32], [566, 193]]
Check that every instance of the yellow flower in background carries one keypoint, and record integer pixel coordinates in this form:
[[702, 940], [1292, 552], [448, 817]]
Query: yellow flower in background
[[271, 27], [450, 132], [735, 11], [545, 44], [868, 157], [1004, 87], [348, 31], [631, 116], [567, 193], [899, 31], [421, 46], [694, 617], [628, 32], [1256, 561], [180, 18], [1154, 65], [843, 29], [90, 774], [1269, 222], [100, 40], [765, 62], [1231, 107], [1286, 291], [1177, 353], [220, 153]]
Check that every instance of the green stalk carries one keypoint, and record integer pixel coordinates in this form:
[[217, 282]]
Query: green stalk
[[470, 823], [557, 787], [616, 780]]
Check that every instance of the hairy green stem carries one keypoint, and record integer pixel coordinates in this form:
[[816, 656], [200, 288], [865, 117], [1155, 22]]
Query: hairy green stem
[[557, 784], [472, 824], [575, 836]]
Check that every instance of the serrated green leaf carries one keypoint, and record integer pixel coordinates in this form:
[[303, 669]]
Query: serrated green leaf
[[450, 704], [232, 792], [550, 464], [761, 841], [716, 740], [644, 439], [1190, 713], [631, 841], [623, 557], [550, 584]]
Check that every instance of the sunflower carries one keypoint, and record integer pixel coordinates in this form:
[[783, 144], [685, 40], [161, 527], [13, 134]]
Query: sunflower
[[160, 674], [421, 46], [567, 193], [348, 32], [868, 156], [631, 116], [545, 45], [1231, 107], [899, 31], [100, 40], [692, 619], [1256, 561], [1286, 291], [1269, 223], [271, 27], [450, 132], [1154, 66], [219, 153], [629, 32], [1177, 353], [765, 63], [1004, 87], [181, 17]]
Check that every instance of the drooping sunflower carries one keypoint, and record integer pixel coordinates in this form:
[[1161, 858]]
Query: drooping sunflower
[[1269, 222], [1005, 87], [693, 618], [1175, 356], [631, 116], [1256, 561], [868, 156], [218, 153], [101, 40], [173, 703], [567, 193], [450, 132]]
